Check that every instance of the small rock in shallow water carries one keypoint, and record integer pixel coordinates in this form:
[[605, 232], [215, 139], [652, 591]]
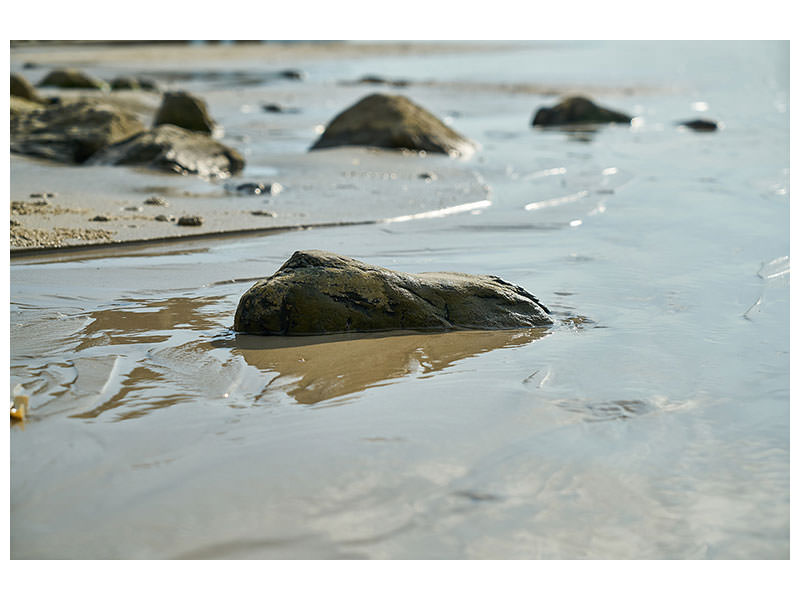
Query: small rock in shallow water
[[295, 74], [700, 125], [277, 108], [133, 208], [156, 201], [577, 110], [164, 218], [101, 218], [190, 221], [263, 213], [378, 80], [318, 292], [133, 83], [256, 189]]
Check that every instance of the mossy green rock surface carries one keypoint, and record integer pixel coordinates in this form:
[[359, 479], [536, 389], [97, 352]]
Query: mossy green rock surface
[[318, 292], [578, 110], [171, 148], [72, 78], [69, 132], [385, 121], [184, 110]]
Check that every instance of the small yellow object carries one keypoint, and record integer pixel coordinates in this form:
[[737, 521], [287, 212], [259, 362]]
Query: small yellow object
[[19, 408]]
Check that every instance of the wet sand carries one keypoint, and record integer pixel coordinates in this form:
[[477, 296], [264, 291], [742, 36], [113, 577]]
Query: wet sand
[[341, 186]]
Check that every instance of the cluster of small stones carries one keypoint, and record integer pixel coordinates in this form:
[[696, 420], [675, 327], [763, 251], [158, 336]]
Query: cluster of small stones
[[41, 207]]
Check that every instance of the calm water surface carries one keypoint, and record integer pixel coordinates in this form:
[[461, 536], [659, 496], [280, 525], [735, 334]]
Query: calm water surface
[[651, 422]]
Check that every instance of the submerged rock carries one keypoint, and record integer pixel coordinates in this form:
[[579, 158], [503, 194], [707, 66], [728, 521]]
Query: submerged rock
[[387, 121], [256, 189], [22, 88], [578, 110], [272, 107], [72, 78], [700, 125], [317, 292], [295, 74], [70, 132], [184, 110], [171, 148], [378, 80]]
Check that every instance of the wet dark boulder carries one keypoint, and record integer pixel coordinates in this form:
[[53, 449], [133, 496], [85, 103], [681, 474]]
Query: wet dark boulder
[[385, 121], [577, 110], [186, 111], [22, 88], [700, 125], [69, 132], [72, 78], [318, 292], [171, 148]]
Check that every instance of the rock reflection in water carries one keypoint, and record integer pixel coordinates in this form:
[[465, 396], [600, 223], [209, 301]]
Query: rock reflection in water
[[146, 321], [313, 369]]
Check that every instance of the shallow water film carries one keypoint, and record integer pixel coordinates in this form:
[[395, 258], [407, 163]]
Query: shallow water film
[[651, 422]]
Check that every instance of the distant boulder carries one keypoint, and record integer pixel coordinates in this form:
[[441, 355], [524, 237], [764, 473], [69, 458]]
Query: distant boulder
[[69, 132], [72, 78], [700, 125], [385, 121], [577, 110], [22, 88], [317, 292], [133, 83], [186, 111], [295, 74], [171, 148]]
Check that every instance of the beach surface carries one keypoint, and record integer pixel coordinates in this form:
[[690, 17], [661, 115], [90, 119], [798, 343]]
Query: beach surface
[[650, 422]]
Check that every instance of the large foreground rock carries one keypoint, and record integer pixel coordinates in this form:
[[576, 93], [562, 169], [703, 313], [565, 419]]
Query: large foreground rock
[[171, 148], [72, 78], [184, 110], [317, 292], [69, 132], [578, 110], [385, 121]]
